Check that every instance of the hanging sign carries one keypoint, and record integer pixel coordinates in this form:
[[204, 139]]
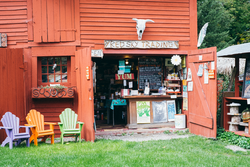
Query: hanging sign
[[124, 76], [97, 53], [141, 44], [211, 74], [3, 40]]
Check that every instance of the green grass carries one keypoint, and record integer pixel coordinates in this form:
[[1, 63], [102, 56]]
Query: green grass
[[192, 151]]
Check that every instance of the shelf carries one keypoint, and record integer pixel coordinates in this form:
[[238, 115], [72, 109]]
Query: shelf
[[174, 86], [234, 114], [233, 123], [235, 98], [240, 133], [173, 92], [173, 80]]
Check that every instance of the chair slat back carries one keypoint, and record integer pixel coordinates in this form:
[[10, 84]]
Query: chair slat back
[[36, 118], [10, 120], [69, 118]]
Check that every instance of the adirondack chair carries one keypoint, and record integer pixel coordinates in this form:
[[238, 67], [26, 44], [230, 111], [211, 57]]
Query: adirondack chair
[[68, 123], [35, 119], [11, 126]]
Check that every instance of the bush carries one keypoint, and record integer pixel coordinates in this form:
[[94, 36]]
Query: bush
[[232, 138]]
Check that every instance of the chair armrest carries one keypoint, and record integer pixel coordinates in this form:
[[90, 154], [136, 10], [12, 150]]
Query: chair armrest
[[59, 123], [1, 127], [49, 123], [30, 125], [79, 122]]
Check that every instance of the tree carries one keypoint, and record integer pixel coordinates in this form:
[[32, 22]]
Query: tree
[[240, 13], [214, 12]]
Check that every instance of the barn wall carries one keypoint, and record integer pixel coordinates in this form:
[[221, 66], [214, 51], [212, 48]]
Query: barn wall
[[112, 20], [51, 109], [13, 21]]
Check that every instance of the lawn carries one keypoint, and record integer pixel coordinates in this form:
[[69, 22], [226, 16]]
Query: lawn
[[192, 151]]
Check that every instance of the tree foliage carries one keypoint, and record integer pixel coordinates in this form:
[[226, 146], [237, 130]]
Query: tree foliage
[[219, 19], [228, 22]]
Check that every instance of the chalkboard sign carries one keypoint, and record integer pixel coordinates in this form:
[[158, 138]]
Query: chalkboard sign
[[246, 83], [150, 69]]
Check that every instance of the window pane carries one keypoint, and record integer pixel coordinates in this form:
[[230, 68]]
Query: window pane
[[58, 78], [57, 70], [51, 78], [44, 61], [64, 69], [44, 69], [64, 60], [50, 60], [50, 69], [64, 78], [44, 78], [57, 60]]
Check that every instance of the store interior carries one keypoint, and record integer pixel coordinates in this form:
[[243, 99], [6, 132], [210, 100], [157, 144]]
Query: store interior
[[108, 87]]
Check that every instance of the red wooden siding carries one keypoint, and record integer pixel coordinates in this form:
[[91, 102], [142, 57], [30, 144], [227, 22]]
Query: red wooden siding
[[12, 85], [13, 21], [51, 109], [55, 20], [112, 20]]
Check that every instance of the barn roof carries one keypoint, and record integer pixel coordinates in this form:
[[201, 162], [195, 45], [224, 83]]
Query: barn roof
[[240, 51]]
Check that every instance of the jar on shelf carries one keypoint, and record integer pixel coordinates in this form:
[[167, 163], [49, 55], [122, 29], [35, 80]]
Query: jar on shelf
[[245, 116]]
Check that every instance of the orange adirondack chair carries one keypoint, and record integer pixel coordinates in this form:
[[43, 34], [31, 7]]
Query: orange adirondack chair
[[35, 119]]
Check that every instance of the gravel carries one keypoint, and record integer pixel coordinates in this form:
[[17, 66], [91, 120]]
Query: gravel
[[143, 137]]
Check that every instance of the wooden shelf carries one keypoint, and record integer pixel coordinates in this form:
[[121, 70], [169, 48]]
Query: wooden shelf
[[173, 80], [240, 133], [177, 86], [235, 98], [173, 92]]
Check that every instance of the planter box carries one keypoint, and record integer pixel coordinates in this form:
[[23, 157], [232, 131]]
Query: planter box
[[53, 93]]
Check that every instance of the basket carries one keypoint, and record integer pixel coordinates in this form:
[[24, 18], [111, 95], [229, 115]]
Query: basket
[[245, 116]]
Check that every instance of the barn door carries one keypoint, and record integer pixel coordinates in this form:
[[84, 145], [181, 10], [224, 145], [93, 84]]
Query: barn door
[[12, 85], [202, 99], [84, 79]]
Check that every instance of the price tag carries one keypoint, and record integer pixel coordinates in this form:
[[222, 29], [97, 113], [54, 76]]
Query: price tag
[[248, 101], [200, 57], [173, 96]]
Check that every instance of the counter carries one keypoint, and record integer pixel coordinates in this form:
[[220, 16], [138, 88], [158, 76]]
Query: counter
[[132, 110]]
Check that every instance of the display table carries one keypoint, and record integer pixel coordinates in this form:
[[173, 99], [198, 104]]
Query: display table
[[117, 102], [132, 110]]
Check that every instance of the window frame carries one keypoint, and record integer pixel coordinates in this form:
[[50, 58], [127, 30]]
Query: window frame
[[39, 71]]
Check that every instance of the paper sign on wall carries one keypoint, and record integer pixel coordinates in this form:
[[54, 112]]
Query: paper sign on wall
[[205, 76], [185, 94], [200, 71], [130, 84], [189, 77], [212, 65], [185, 103], [190, 86]]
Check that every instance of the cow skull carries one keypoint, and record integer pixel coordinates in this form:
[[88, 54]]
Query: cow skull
[[141, 25]]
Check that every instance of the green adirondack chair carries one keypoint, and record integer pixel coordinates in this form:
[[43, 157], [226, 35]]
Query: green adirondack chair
[[68, 123]]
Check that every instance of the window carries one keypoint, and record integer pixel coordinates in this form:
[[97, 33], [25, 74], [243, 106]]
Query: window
[[53, 70]]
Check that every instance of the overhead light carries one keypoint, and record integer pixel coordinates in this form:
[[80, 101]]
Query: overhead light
[[126, 61]]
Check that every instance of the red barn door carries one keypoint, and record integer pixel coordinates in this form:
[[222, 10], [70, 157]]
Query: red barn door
[[84, 79], [202, 100]]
